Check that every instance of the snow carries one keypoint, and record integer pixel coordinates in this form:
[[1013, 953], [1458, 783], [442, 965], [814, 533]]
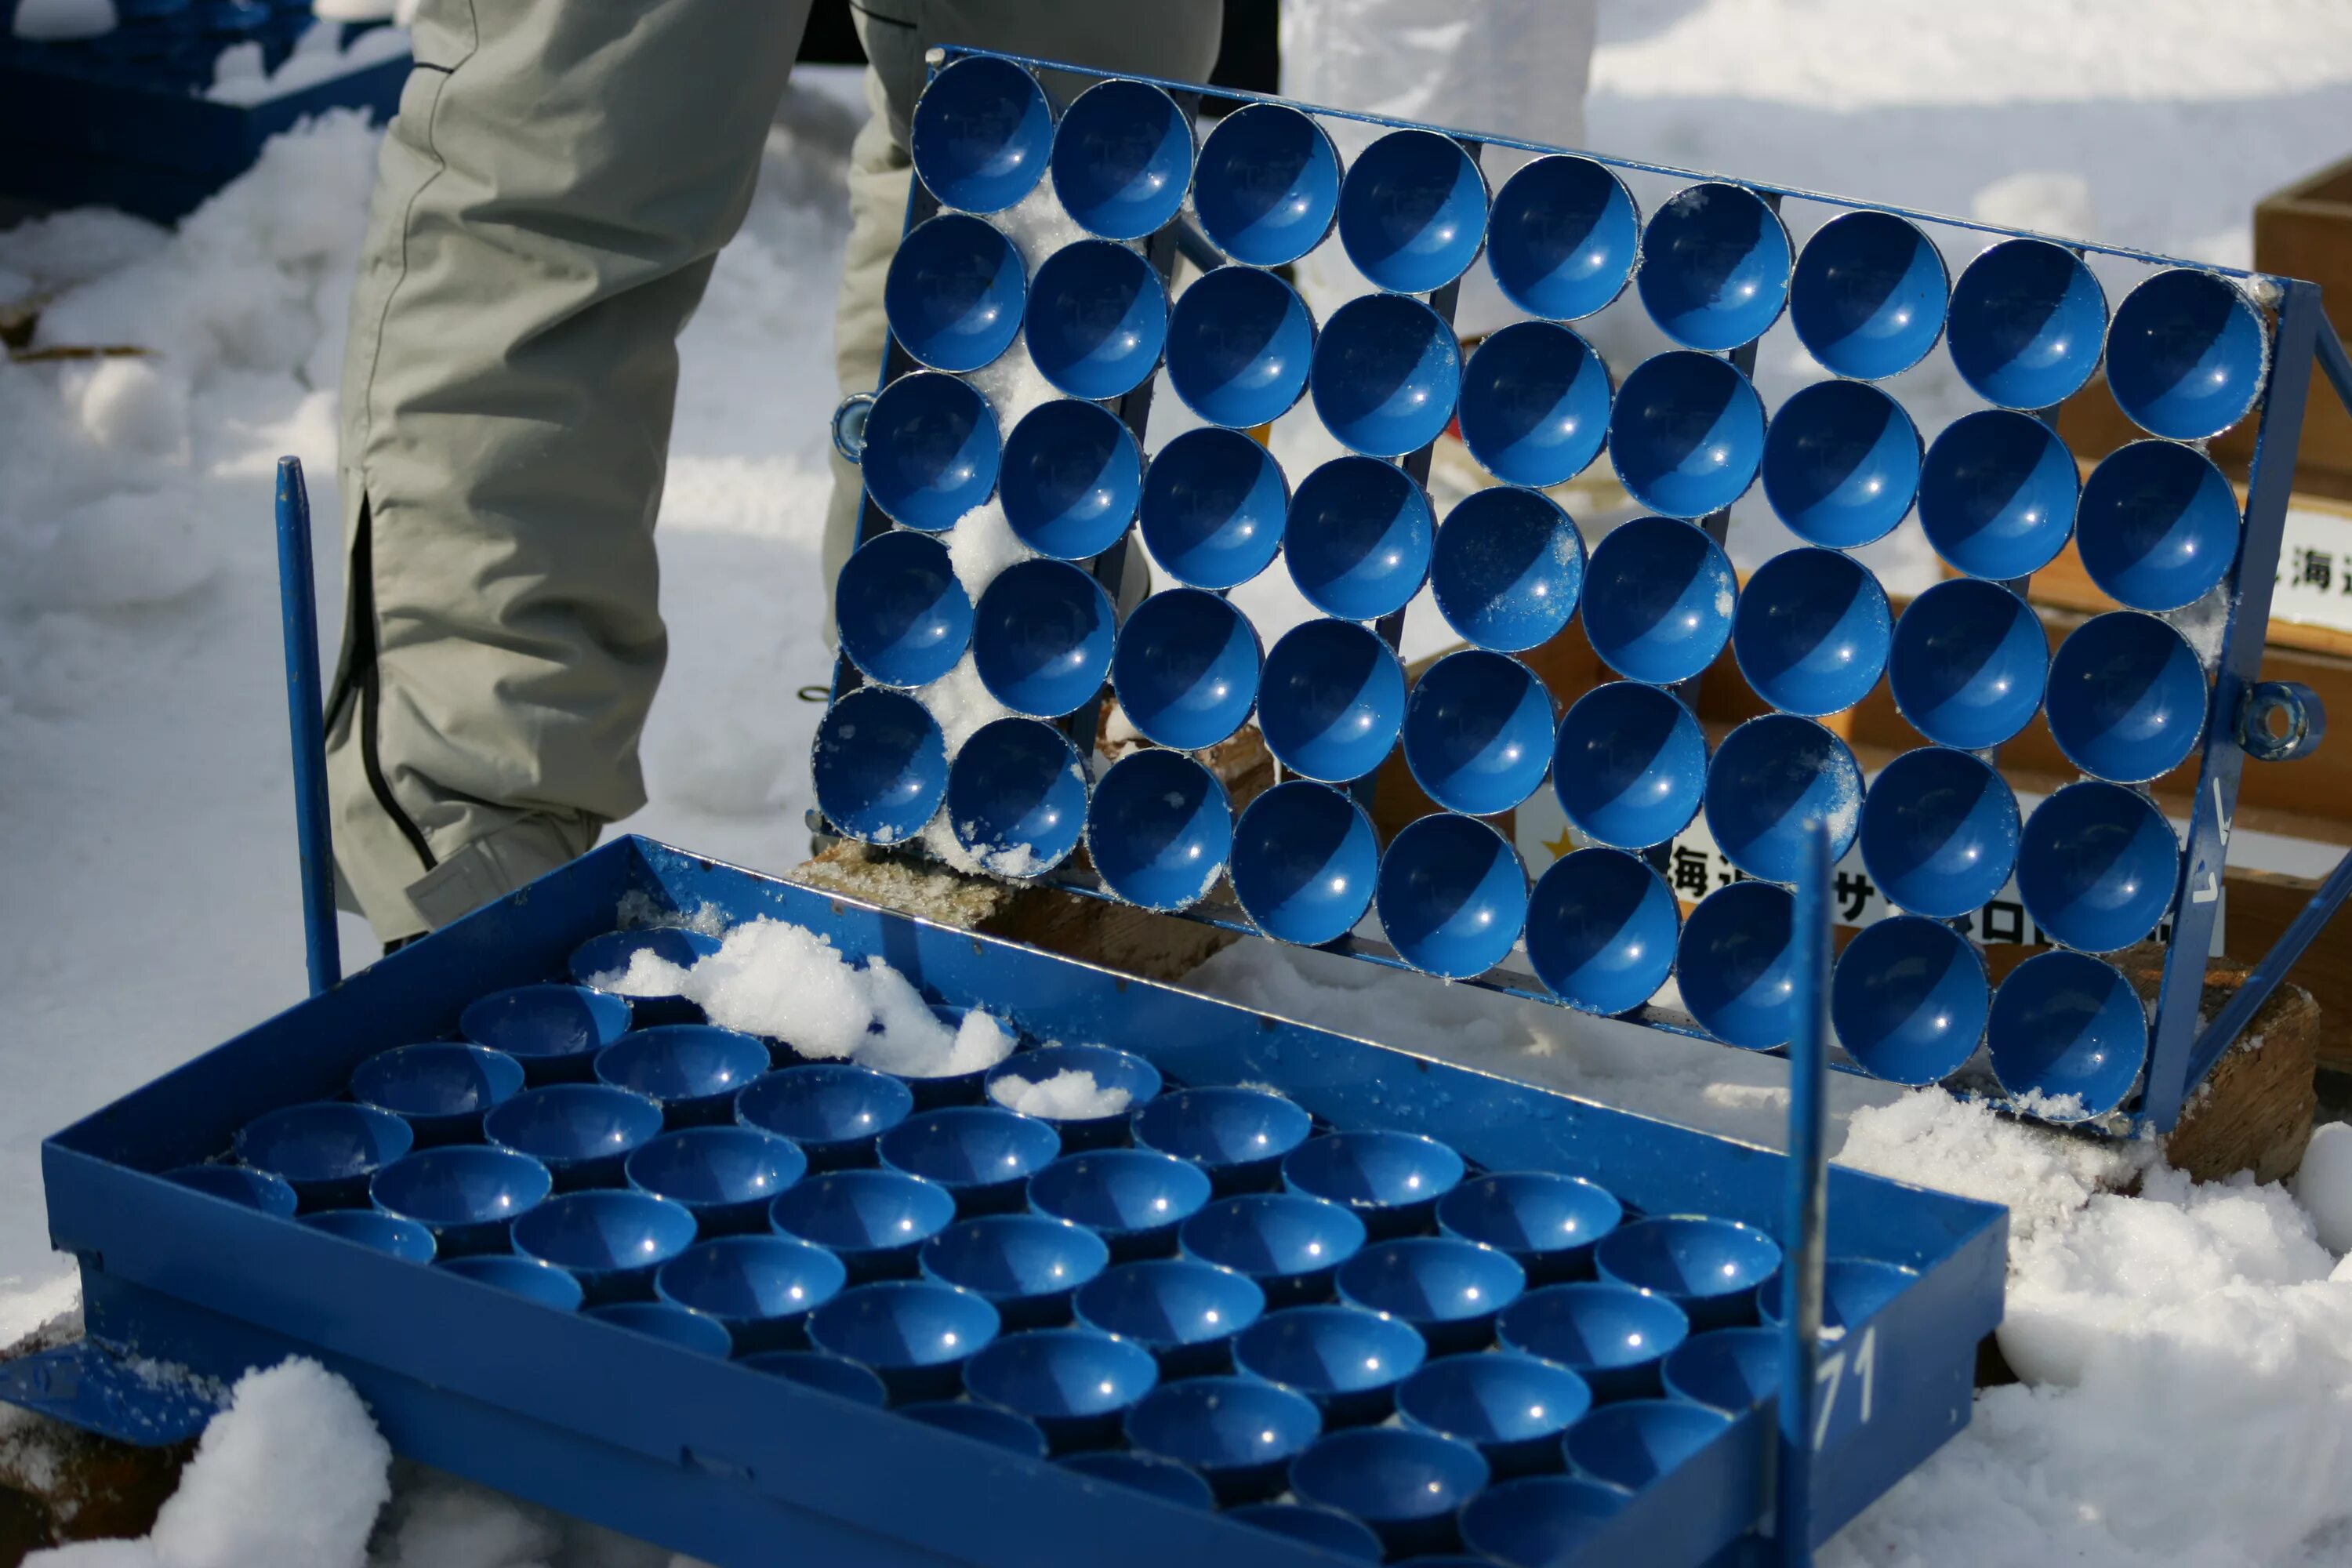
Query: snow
[[57, 20], [1070, 1095], [2324, 1185], [238, 77]]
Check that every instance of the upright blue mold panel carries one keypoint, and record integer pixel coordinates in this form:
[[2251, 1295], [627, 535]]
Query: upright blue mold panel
[[1870, 293]]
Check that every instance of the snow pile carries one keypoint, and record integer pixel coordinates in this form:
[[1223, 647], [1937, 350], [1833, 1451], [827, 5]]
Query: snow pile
[[241, 77], [291, 1475], [1070, 1095], [55, 21], [1931, 1140], [959, 703]]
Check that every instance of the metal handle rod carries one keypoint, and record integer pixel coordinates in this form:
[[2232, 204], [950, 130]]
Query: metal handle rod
[[297, 609], [1806, 1216], [2284, 953]]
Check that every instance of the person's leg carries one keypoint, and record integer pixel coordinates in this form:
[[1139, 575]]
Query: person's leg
[[1173, 39], [548, 205]]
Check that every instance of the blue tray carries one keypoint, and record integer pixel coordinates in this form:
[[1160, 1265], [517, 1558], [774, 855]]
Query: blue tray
[[732, 1465]]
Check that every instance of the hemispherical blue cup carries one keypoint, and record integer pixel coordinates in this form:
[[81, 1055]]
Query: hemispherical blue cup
[[1289, 1245], [1634, 1442], [981, 134], [1266, 188], [1386, 374], [1601, 926], [1239, 344], [982, 1424], [1478, 732], [1237, 1136], [879, 764], [1869, 295], [1071, 479], [904, 619], [1997, 494], [1812, 631], [465, 1194], [1097, 320], [236, 1184], [2126, 698], [607, 958], [691, 1071], [526, 1276], [1939, 832], [1112, 1071], [402, 1238], [1508, 568], [1737, 963], [1629, 764], [1715, 260], [2098, 865], [1184, 1312], [1711, 1268], [1331, 700], [1133, 1198], [582, 1132], [1186, 669], [675, 1325], [1407, 1485], [1163, 1479], [1159, 828], [1909, 1000], [760, 1288], [1854, 1292], [1345, 1359], [932, 450], [1042, 637], [814, 1369], [441, 1090], [1025, 1264], [1539, 1520], [1841, 464], [1563, 238], [727, 1175], [611, 1242], [1969, 664], [1732, 1369], [1447, 1289], [1359, 538], [555, 1031], [1016, 797], [1413, 211], [1546, 1222], [1123, 159], [1511, 1407], [914, 1334], [2028, 321], [983, 1154], [2157, 526], [1451, 895], [955, 292], [1535, 404], [1326, 1529], [2187, 355], [832, 1110], [1238, 1432], [1304, 858], [326, 1151], [1774, 781], [1658, 599], [1077, 1384], [1686, 434], [876, 1222], [1613, 1336], [1391, 1180], [1214, 502]]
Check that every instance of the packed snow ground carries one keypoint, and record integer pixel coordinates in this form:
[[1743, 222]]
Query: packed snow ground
[[2198, 1407]]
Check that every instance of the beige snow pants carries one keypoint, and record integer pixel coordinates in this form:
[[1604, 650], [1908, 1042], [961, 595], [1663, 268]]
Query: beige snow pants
[[549, 203]]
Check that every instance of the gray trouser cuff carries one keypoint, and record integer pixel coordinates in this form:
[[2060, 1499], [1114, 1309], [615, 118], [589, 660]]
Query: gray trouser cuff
[[492, 867]]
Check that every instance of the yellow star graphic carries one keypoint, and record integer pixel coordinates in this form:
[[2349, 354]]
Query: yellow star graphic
[[1560, 846]]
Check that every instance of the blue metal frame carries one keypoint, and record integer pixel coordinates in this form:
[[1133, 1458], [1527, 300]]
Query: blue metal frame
[[1805, 1216], [297, 611]]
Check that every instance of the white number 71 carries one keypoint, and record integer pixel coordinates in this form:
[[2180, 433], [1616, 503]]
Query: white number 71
[[1830, 1375]]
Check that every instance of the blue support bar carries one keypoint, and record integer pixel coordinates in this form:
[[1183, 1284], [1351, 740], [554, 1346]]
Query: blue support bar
[[2337, 363], [297, 609], [1807, 1212], [2241, 1008]]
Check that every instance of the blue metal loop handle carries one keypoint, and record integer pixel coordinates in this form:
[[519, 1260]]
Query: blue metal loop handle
[[849, 425], [2305, 717]]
